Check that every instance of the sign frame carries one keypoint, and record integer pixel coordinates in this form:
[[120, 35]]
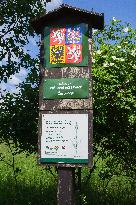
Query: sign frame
[[67, 106], [66, 15], [90, 139], [60, 104]]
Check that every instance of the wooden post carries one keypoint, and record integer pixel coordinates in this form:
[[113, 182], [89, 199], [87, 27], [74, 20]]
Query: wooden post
[[79, 182], [65, 97], [66, 186]]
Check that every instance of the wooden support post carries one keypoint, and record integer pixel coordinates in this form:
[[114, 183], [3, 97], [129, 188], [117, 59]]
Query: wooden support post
[[79, 179], [66, 99], [66, 186], [79, 184]]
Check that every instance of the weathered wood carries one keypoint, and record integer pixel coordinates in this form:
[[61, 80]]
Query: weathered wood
[[78, 189], [66, 186], [67, 106], [66, 72], [63, 16], [67, 14]]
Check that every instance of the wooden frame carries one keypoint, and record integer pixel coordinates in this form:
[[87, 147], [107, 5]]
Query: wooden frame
[[67, 106], [90, 138]]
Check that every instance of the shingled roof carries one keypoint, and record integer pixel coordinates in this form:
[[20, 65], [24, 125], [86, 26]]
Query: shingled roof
[[64, 14]]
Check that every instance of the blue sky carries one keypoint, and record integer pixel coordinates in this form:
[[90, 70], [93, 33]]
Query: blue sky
[[124, 10]]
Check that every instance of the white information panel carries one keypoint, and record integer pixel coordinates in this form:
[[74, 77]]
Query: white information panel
[[64, 138]]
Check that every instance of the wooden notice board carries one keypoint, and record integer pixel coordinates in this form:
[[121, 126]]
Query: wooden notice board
[[65, 103], [64, 138], [65, 93]]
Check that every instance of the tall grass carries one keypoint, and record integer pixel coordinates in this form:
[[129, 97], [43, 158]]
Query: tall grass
[[35, 185], [30, 184]]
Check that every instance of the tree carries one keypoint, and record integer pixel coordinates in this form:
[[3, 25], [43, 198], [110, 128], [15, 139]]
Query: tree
[[18, 111], [15, 33], [114, 71]]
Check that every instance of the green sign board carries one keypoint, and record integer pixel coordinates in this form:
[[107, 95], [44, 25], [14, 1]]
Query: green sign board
[[66, 88]]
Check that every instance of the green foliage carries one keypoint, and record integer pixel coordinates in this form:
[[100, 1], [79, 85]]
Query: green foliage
[[114, 69], [19, 117], [16, 30], [19, 112], [27, 183], [108, 183], [34, 185]]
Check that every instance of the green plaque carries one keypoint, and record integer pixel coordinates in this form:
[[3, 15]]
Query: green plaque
[[66, 88]]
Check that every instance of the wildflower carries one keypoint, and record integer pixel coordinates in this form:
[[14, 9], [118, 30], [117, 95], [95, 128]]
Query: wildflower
[[133, 53], [121, 59], [105, 65], [94, 31], [99, 52], [125, 29], [93, 60], [114, 57]]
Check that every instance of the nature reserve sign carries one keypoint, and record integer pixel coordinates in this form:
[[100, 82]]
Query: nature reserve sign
[[64, 138], [65, 100], [66, 88]]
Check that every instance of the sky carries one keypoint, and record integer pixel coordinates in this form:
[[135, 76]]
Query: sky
[[124, 10]]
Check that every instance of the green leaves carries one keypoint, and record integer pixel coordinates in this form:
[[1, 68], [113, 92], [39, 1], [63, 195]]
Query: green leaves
[[19, 111], [114, 71], [114, 88], [15, 34]]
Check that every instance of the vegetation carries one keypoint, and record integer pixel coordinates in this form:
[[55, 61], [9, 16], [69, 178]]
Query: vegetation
[[19, 111], [114, 71], [113, 177], [29, 184], [22, 182]]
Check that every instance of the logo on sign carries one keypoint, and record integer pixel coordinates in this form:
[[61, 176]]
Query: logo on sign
[[66, 45]]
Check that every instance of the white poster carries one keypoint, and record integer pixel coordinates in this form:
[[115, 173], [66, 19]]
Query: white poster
[[64, 138]]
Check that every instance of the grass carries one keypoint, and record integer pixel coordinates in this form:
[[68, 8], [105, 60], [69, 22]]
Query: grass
[[29, 184], [34, 184]]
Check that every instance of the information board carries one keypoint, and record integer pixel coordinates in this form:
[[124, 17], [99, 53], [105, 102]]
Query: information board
[[64, 138], [66, 88]]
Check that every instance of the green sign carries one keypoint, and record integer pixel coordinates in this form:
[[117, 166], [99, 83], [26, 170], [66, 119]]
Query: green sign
[[66, 88]]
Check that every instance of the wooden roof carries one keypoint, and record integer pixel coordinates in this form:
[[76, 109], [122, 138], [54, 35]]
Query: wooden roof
[[67, 14]]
